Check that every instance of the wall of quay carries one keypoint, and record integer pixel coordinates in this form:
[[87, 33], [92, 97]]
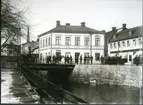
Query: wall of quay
[[108, 74]]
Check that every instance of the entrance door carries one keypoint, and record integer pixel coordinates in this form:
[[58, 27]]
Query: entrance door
[[97, 56], [76, 57]]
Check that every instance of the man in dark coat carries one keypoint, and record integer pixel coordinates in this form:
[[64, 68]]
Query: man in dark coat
[[81, 59], [54, 59], [70, 59], [91, 58], [65, 59], [102, 59], [88, 58], [49, 58], [84, 59]]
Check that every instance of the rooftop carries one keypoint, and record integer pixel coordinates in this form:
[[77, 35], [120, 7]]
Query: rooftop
[[72, 29], [123, 34]]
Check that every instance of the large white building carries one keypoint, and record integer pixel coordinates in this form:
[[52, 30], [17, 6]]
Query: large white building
[[126, 43], [71, 40]]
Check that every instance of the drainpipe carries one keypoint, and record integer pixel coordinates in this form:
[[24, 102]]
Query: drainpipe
[[141, 89]]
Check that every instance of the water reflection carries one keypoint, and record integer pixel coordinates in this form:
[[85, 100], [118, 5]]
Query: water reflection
[[106, 93]]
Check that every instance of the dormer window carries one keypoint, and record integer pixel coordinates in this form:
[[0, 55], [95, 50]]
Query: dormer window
[[130, 33], [114, 36]]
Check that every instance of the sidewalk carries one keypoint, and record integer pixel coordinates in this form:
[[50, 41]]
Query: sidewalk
[[14, 89]]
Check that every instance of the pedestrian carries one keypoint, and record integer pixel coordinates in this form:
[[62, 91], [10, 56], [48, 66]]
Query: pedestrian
[[77, 59], [67, 59], [88, 59], [54, 59], [102, 59], [47, 59], [59, 58], [84, 59], [91, 58], [70, 59], [81, 59]]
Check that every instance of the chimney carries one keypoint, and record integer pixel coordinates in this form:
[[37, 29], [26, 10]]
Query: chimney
[[57, 23], [113, 28], [67, 24], [83, 24], [124, 26], [103, 31]]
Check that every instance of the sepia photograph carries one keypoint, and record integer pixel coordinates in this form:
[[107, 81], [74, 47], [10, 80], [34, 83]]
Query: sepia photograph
[[71, 52]]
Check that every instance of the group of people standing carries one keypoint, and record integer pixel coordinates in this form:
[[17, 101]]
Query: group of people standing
[[53, 59], [86, 59], [68, 59]]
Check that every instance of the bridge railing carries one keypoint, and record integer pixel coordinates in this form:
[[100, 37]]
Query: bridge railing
[[57, 93]]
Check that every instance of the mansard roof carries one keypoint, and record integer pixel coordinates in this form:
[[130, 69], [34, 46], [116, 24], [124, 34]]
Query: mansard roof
[[72, 29]]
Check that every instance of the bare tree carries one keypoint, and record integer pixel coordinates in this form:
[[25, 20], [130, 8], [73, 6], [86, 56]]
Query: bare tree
[[12, 22]]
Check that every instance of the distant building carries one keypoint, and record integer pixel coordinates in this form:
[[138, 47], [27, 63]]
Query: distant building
[[30, 47], [11, 50], [126, 43], [72, 40]]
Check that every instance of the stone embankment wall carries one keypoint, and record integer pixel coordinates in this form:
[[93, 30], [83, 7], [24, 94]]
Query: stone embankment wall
[[108, 74]]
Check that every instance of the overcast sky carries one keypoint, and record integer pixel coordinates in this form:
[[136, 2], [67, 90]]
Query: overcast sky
[[98, 14]]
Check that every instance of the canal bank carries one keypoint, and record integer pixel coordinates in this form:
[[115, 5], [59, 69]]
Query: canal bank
[[15, 90], [108, 74]]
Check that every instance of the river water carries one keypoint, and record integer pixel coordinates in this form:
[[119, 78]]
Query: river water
[[106, 94]]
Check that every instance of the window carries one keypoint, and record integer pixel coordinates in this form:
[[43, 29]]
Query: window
[[140, 41], [130, 33], [114, 36], [49, 41], [58, 40], [97, 41], [77, 41], [123, 43], [111, 46], [118, 44], [86, 41], [114, 45], [46, 42], [43, 42], [134, 42], [128, 43], [40, 43], [68, 41]]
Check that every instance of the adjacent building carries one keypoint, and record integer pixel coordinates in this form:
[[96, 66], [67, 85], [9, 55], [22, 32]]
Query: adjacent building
[[30, 47], [72, 40], [125, 42]]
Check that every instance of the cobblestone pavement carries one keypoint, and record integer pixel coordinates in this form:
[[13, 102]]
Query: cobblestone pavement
[[13, 88]]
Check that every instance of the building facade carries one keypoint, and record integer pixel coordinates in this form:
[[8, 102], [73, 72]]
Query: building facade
[[126, 43], [71, 40]]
